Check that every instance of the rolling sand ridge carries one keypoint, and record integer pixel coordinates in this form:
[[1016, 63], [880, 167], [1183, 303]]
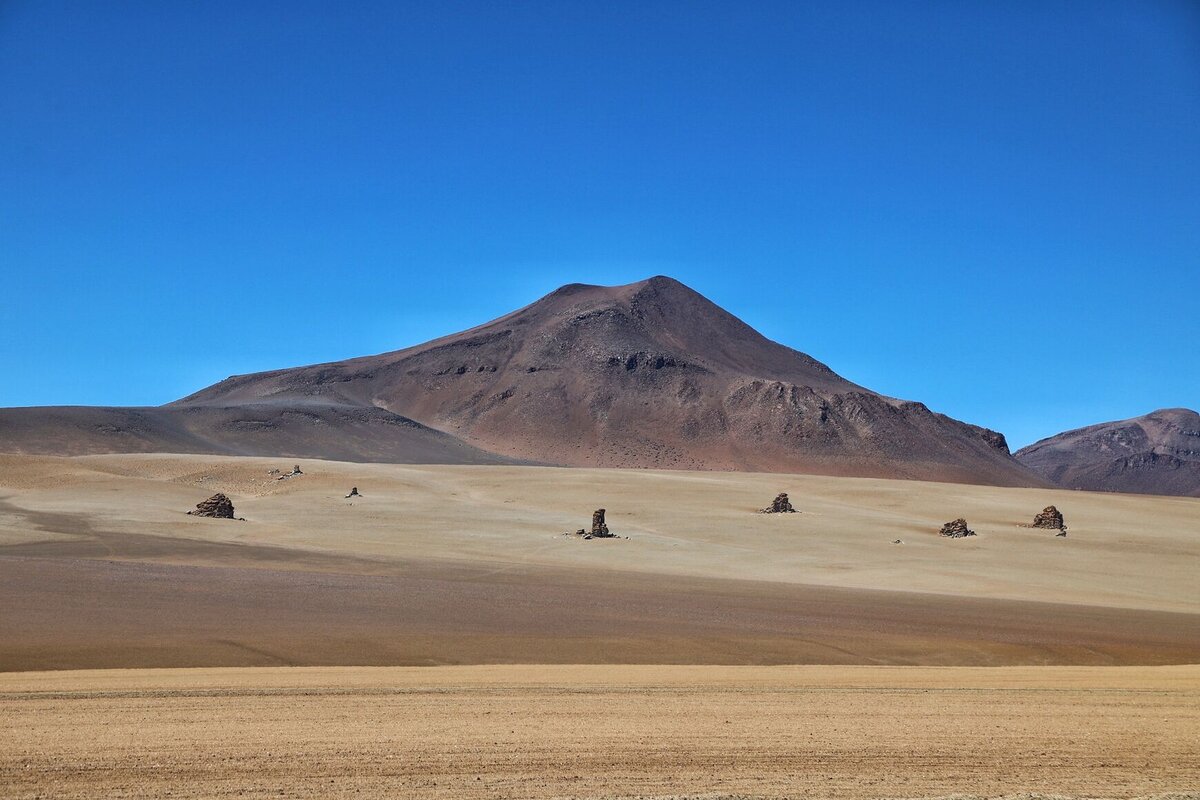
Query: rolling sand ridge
[[100, 566], [457, 564]]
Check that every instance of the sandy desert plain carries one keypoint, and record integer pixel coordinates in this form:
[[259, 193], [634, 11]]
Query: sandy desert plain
[[441, 637]]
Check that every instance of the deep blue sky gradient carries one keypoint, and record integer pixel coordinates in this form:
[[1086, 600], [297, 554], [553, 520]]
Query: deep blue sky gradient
[[993, 208]]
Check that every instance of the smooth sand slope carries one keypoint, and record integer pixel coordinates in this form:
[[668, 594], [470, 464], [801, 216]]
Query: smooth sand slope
[[602, 731], [101, 567]]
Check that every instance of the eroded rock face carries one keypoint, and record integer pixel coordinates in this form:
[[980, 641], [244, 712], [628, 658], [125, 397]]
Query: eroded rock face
[[1049, 517], [780, 505], [957, 529], [218, 506], [598, 526]]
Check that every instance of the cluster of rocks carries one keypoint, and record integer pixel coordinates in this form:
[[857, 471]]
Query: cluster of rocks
[[957, 529], [295, 471], [780, 505], [1051, 518], [599, 528], [218, 506]]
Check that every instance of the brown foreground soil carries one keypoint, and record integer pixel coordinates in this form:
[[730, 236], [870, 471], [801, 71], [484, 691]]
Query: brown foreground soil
[[601, 731], [71, 613]]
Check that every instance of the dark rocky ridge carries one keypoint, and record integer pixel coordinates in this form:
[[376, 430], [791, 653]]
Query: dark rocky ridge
[[1158, 453]]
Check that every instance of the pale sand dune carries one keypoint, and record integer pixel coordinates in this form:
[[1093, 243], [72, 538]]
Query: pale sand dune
[[455, 564], [625, 731], [1122, 550]]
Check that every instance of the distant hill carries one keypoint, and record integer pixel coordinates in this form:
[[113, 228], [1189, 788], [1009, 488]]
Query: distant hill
[[1158, 453], [650, 374], [339, 433]]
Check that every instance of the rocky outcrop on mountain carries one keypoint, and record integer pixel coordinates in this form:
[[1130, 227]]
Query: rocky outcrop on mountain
[[780, 505], [957, 529], [218, 506], [1049, 517], [1158, 453]]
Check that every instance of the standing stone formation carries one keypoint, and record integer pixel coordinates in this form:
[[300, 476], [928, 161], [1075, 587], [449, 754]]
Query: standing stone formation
[[598, 526], [218, 506], [780, 505], [1050, 517], [295, 471], [957, 529]]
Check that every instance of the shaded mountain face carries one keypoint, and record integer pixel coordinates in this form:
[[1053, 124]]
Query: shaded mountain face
[[1158, 453], [650, 374], [340, 433]]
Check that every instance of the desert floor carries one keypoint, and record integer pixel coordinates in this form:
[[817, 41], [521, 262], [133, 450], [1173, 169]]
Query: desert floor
[[100, 566], [602, 731], [601, 668]]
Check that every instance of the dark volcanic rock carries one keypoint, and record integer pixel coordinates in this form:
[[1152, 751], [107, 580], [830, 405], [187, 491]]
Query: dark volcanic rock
[[780, 505], [598, 527], [957, 529], [1049, 517], [218, 506]]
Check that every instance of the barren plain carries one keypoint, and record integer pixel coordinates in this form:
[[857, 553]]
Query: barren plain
[[602, 731], [152, 653]]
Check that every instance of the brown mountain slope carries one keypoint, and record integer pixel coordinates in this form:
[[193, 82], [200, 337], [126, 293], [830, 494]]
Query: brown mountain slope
[[1158, 453], [645, 375], [343, 433]]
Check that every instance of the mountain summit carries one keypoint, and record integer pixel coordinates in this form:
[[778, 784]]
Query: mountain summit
[[650, 374]]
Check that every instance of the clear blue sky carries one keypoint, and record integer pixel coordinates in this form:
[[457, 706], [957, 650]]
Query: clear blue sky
[[990, 207]]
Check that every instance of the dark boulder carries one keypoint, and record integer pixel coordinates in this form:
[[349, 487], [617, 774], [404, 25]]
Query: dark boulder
[[957, 529], [780, 505], [598, 527], [1049, 517], [218, 506]]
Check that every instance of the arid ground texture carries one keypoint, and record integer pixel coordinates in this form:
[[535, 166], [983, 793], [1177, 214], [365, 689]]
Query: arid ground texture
[[601, 731], [288, 654]]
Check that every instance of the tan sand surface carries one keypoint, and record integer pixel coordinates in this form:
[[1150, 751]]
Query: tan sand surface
[[602, 731], [101, 567]]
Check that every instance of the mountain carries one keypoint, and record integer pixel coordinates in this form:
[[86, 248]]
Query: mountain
[[340, 433], [650, 374], [1158, 453]]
